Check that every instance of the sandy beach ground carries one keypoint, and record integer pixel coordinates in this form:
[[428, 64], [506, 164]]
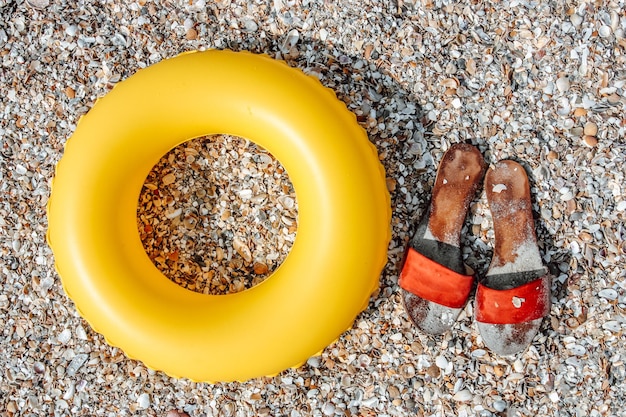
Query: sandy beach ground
[[541, 82]]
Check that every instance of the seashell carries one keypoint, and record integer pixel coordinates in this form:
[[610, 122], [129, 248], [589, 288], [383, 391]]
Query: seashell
[[260, 268], [174, 213], [77, 362], [328, 409], [407, 371], [576, 349], [290, 41], [228, 409], [39, 368], [568, 123], [450, 83], [463, 396], [564, 107], [190, 221], [612, 325], [242, 249], [441, 362], [143, 401], [250, 25], [604, 31], [71, 30], [245, 194], [614, 20], [608, 293], [499, 406], [590, 129], [38, 4], [576, 19], [191, 34], [286, 201], [64, 336], [168, 179], [563, 84], [590, 141]]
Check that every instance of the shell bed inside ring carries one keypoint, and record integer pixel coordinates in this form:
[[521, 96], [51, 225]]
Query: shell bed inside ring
[[217, 214]]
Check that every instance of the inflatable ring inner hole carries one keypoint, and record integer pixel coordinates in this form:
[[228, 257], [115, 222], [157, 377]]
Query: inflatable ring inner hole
[[217, 214]]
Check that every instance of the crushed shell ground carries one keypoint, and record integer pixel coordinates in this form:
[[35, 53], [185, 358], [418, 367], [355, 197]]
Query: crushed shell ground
[[541, 82]]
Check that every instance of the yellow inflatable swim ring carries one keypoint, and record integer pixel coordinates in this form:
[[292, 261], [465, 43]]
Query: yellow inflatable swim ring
[[315, 295]]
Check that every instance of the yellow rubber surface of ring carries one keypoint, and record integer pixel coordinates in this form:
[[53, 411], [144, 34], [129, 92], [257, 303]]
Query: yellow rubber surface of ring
[[314, 296]]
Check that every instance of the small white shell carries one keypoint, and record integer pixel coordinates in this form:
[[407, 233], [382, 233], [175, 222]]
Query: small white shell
[[463, 396], [143, 402], [604, 31], [562, 84], [608, 293], [441, 362]]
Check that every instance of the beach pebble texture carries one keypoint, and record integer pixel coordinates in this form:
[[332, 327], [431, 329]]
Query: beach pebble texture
[[543, 83]]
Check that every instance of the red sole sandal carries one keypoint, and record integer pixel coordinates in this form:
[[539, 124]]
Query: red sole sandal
[[434, 282], [514, 296]]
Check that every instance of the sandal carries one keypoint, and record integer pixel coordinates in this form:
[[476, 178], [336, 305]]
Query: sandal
[[514, 296], [434, 282]]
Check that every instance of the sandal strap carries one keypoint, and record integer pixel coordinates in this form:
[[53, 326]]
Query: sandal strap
[[434, 282], [521, 304]]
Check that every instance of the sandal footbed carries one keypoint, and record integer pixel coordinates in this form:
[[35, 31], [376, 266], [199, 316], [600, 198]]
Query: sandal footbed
[[439, 232], [516, 260]]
